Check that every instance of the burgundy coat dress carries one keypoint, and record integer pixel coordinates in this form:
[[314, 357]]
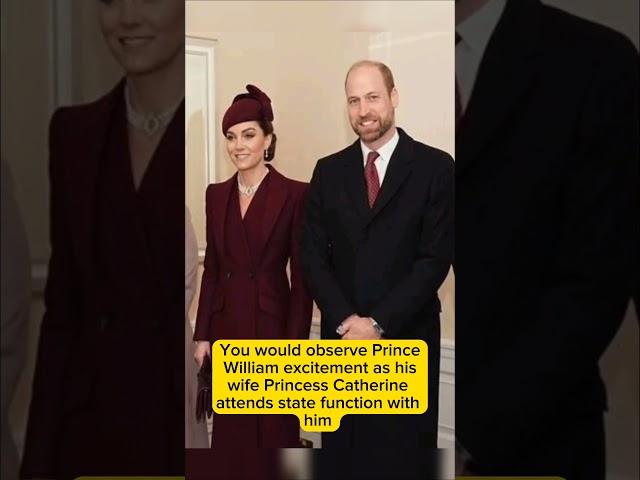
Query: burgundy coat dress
[[108, 388], [246, 293]]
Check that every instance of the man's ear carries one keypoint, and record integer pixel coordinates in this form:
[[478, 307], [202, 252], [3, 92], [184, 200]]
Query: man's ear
[[395, 98]]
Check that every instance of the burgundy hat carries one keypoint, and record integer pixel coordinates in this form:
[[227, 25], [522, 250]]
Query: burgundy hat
[[255, 105]]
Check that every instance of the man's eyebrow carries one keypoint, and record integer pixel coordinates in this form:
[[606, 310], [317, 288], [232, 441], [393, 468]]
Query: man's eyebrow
[[373, 92]]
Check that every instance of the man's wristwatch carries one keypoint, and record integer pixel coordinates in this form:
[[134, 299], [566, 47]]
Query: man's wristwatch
[[376, 326]]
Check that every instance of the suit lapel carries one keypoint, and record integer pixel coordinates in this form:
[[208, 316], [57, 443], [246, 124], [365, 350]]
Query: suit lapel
[[354, 180], [506, 74], [397, 171], [276, 198]]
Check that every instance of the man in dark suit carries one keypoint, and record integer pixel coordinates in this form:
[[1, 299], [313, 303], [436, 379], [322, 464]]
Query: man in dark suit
[[377, 244], [546, 160]]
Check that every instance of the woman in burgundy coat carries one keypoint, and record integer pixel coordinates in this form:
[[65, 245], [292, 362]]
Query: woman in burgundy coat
[[253, 221], [108, 388]]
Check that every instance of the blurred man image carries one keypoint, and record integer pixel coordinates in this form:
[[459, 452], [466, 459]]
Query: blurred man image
[[546, 167]]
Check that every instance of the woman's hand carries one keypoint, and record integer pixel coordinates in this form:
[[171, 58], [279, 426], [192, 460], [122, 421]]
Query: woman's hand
[[203, 349]]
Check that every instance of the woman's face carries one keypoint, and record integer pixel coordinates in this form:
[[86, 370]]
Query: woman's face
[[144, 36], [246, 143]]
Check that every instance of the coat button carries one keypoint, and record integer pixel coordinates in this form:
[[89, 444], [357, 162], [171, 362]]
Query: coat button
[[228, 275], [252, 275]]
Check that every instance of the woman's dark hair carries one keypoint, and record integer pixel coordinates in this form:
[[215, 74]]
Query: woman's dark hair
[[267, 128]]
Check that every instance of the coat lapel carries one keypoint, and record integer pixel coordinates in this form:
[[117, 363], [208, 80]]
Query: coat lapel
[[506, 74], [354, 180], [276, 198], [397, 171], [219, 207], [86, 163]]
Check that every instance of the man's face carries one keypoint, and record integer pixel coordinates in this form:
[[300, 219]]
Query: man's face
[[371, 107]]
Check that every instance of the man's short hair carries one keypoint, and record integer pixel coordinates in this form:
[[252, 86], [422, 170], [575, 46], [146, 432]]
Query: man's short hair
[[387, 76]]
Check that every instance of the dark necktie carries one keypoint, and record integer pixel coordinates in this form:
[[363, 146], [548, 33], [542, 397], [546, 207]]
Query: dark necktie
[[371, 175], [458, 100]]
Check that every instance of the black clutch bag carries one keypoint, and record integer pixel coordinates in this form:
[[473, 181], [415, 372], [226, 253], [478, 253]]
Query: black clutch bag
[[204, 409]]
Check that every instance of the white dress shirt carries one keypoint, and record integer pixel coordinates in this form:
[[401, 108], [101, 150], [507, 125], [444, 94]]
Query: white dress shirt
[[475, 32], [385, 152]]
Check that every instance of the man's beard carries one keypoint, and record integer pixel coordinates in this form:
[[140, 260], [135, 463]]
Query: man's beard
[[371, 136]]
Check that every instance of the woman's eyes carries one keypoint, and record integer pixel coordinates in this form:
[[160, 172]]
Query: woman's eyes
[[248, 136]]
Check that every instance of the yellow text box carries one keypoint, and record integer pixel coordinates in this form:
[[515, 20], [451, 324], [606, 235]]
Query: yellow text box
[[319, 381]]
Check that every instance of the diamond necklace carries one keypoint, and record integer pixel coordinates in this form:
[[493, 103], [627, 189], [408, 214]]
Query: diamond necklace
[[251, 189], [149, 123]]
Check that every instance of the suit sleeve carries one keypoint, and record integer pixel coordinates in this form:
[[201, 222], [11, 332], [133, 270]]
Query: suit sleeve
[[434, 255], [589, 287], [301, 304], [57, 330], [209, 277], [316, 261]]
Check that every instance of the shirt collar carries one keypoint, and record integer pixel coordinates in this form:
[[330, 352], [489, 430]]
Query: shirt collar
[[384, 151], [476, 30]]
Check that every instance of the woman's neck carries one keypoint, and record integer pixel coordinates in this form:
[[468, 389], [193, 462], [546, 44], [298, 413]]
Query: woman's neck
[[251, 177], [158, 91]]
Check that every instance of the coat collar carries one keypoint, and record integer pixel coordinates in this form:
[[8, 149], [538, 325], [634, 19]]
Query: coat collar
[[505, 75], [84, 160], [275, 200], [87, 148], [397, 171]]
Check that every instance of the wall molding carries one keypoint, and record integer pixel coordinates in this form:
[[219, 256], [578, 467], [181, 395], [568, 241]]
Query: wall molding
[[447, 414], [60, 62]]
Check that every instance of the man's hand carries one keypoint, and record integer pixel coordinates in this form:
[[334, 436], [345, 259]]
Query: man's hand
[[358, 328]]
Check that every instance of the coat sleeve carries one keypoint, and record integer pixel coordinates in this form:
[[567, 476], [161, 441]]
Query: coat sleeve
[[57, 330], [316, 261], [434, 256], [301, 304], [209, 277]]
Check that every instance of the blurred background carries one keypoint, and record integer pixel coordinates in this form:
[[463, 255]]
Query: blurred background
[[53, 54]]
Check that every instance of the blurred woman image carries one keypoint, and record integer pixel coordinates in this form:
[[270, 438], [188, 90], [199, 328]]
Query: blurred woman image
[[253, 222], [195, 433], [108, 389]]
